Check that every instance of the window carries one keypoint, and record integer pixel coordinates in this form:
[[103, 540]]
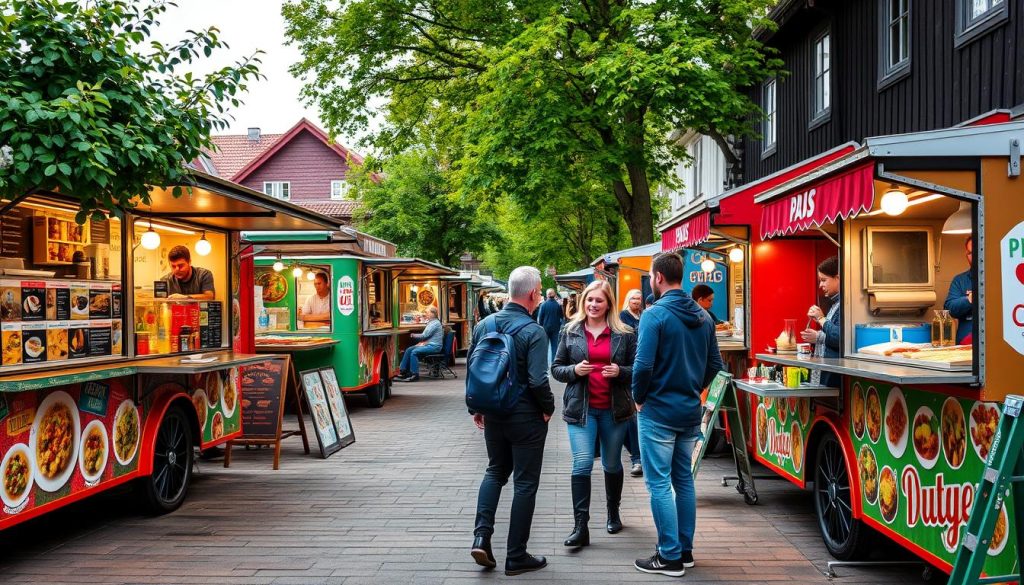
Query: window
[[976, 17], [278, 189], [770, 123], [895, 38], [822, 77], [340, 189]]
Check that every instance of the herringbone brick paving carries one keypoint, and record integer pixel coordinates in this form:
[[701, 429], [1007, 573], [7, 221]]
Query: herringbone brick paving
[[397, 507]]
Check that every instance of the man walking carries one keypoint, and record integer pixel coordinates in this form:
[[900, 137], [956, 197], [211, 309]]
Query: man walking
[[550, 318], [677, 356], [515, 442]]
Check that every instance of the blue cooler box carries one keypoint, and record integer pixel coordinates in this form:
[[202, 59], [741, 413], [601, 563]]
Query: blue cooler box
[[865, 335]]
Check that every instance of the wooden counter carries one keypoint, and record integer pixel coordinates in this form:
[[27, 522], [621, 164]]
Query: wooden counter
[[263, 348]]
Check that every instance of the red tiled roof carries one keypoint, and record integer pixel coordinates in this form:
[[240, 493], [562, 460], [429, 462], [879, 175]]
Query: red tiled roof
[[343, 209], [234, 152]]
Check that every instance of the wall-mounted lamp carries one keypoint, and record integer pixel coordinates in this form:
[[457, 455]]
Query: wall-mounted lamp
[[894, 201], [278, 265], [310, 275], [736, 255], [203, 246], [960, 221], [297, 272], [150, 240]]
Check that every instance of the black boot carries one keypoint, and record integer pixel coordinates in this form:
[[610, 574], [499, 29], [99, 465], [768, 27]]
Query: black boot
[[581, 511], [613, 490], [481, 552]]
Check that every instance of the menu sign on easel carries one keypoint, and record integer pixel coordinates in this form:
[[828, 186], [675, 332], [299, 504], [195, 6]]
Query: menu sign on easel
[[263, 399], [323, 425]]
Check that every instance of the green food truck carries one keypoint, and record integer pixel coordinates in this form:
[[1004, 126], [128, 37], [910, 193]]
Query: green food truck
[[330, 303]]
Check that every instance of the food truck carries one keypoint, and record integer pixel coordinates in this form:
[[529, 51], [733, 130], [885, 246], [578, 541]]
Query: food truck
[[375, 304], [107, 376], [577, 280], [475, 287], [898, 445]]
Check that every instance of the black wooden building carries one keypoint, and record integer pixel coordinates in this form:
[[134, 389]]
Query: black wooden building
[[859, 68]]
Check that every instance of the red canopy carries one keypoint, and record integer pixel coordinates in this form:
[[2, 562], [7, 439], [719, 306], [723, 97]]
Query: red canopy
[[843, 196], [689, 232]]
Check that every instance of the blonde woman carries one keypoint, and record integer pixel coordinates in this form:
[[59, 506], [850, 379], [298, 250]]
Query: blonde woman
[[631, 308], [595, 361]]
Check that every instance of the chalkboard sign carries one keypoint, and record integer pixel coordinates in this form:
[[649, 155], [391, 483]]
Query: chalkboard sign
[[263, 386], [339, 412], [323, 426]]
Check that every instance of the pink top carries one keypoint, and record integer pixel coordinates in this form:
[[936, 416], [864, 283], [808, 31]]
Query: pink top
[[599, 350]]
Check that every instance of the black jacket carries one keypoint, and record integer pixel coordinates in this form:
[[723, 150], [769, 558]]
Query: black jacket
[[572, 349]]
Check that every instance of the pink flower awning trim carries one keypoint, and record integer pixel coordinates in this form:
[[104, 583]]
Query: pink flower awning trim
[[842, 196]]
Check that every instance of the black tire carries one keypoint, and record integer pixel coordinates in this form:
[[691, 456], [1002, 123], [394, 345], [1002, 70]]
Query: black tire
[[377, 394], [386, 379], [166, 488], [845, 537]]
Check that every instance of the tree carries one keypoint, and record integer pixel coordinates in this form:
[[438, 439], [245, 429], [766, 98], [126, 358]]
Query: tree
[[542, 95], [413, 207], [89, 109]]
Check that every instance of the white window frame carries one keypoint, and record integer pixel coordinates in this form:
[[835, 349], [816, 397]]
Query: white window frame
[[769, 104], [278, 189], [340, 188], [971, 25], [821, 98], [894, 32]]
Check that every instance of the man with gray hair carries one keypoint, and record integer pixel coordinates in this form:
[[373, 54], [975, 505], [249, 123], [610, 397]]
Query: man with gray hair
[[515, 441], [431, 339]]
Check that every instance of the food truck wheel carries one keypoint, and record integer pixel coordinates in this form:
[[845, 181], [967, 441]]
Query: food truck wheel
[[385, 379], [377, 394], [845, 537], [165, 489]]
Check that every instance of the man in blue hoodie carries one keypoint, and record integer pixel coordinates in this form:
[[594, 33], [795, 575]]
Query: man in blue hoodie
[[677, 357]]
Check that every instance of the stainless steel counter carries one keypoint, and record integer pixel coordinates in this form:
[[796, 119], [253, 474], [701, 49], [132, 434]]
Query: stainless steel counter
[[895, 373], [776, 390]]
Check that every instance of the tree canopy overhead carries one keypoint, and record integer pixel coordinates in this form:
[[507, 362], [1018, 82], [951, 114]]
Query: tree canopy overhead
[[537, 97], [92, 107]]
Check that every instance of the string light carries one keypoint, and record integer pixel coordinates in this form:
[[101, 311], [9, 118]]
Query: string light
[[150, 239], [203, 246]]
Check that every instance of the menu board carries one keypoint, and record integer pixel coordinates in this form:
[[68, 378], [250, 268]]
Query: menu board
[[54, 320], [316, 397], [211, 320], [263, 386]]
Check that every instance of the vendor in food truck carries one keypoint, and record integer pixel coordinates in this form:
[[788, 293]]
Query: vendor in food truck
[[826, 341], [316, 311], [185, 281], [705, 297], [960, 299]]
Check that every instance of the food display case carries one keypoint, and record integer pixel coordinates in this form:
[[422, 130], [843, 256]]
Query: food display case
[[101, 377], [912, 416]]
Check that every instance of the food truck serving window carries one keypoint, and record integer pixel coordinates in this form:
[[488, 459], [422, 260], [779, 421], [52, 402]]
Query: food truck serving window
[[293, 296], [414, 296], [377, 305], [60, 285], [181, 284]]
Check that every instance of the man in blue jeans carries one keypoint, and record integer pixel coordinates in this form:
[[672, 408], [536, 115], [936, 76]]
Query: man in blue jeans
[[677, 357], [549, 315], [430, 342]]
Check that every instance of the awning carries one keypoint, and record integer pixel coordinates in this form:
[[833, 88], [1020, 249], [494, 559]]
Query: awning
[[841, 196], [411, 266], [688, 232]]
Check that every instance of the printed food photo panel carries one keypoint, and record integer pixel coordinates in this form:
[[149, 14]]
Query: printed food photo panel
[[339, 412], [320, 411]]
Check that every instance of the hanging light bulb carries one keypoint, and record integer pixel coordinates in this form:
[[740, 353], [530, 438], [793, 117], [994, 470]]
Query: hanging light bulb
[[297, 272], [278, 265], [310, 275], [894, 202], [707, 265], [203, 246], [150, 239], [736, 254], [959, 222]]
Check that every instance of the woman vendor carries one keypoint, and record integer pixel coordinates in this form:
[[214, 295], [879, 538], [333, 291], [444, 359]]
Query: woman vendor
[[826, 341]]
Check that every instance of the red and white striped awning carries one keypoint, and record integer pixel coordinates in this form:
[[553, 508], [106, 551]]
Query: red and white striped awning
[[688, 232], [841, 196]]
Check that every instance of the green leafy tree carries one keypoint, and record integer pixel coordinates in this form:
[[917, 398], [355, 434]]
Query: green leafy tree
[[409, 203], [538, 96], [89, 108]]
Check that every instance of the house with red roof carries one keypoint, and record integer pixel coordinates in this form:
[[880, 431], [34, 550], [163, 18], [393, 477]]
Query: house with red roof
[[302, 166]]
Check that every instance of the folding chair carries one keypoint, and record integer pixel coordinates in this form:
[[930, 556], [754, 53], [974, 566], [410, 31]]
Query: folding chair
[[437, 363]]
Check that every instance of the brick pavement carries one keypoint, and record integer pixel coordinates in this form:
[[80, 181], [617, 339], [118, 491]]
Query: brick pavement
[[397, 507]]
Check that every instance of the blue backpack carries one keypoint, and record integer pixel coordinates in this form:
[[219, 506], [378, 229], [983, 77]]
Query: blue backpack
[[492, 384]]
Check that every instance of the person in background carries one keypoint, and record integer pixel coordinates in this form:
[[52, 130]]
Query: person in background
[[316, 311], [185, 281], [704, 296], [826, 341], [595, 361], [569, 310], [960, 300], [430, 342], [515, 442], [632, 307], [677, 357], [648, 301], [549, 315], [481, 306]]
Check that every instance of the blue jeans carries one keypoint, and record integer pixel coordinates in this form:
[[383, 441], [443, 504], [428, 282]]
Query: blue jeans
[[632, 443], [666, 453], [410, 357], [600, 423], [553, 343]]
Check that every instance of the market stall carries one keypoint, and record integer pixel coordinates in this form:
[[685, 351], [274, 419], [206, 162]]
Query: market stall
[[372, 305], [897, 439], [123, 340]]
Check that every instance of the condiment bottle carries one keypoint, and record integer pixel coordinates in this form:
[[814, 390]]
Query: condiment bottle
[[948, 329], [937, 329]]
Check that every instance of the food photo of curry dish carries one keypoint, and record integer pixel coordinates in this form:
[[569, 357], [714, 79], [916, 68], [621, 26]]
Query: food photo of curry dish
[[53, 447]]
